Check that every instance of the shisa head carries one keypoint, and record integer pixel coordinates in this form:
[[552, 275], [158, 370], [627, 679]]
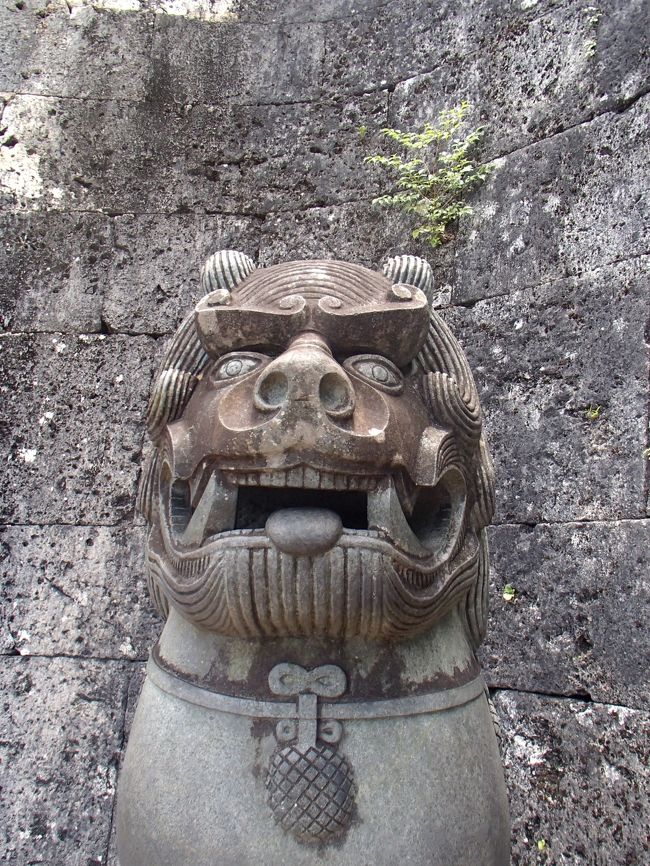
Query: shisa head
[[319, 467]]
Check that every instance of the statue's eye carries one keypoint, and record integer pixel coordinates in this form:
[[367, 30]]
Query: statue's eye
[[380, 371], [236, 364]]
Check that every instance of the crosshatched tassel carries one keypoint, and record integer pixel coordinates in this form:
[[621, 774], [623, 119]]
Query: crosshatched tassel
[[311, 792]]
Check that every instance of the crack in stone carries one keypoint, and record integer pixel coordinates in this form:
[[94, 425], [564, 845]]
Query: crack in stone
[[596, 115], [119, 524], [551, 281], [576, 521], [621, 107], [582, 697], [118, 762], [61, 591], [630, 101], [153, 335], [108, 330], [260, 216]]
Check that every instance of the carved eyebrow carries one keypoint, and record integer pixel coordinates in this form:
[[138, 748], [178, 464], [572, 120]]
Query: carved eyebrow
[[258, 348]]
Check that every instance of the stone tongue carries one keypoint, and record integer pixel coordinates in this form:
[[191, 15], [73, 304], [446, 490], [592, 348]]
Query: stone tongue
[[304, 531]]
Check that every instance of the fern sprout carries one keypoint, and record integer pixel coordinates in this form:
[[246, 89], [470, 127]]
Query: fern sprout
[[435, 173]]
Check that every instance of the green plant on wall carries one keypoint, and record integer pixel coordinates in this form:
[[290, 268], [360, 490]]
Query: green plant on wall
[[435, 172], [593, 413]]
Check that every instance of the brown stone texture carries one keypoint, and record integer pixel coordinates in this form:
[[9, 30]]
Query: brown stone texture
[[133, 142]]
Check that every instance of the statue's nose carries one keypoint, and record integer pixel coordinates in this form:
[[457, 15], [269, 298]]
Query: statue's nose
[[305, 374]]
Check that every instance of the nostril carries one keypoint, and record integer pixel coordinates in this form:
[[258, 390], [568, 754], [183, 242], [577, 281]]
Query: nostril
[[336, 394], [271, 391]]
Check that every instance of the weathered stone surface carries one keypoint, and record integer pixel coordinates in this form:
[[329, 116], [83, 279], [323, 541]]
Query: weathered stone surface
[[364, 53], [20, 39], [81, 51], [154, 273], [76, 591], [307, 10], [538, 77], [74, 409], [570, 204], [358, 232], [578, 781], [582, 601], [61, 731], [542, 358], [196, 61], [567, 205], [308, 155], [73, 154], [193, 61], [123, 157], [53, 271]]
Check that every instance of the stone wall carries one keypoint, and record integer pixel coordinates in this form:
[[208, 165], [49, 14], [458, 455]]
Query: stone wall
[[137, 136]]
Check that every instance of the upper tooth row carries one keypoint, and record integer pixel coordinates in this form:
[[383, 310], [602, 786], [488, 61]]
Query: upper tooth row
[[304, 477]]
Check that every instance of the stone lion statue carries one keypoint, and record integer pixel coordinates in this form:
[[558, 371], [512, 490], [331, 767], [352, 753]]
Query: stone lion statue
[[317, 495], [317, 385]]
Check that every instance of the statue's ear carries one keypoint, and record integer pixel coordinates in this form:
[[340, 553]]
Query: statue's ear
[[411, 270], [223, 270], [186, 357]]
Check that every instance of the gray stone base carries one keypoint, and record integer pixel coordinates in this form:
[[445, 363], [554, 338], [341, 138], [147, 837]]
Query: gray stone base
[[192, 791]]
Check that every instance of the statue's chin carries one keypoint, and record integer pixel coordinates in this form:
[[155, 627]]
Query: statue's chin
[[242, 584]]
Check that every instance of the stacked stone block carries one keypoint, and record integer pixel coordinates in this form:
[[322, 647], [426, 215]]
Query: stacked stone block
[[136, 137]]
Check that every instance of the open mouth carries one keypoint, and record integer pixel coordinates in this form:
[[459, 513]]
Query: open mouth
[[305, 511], [255, 505]]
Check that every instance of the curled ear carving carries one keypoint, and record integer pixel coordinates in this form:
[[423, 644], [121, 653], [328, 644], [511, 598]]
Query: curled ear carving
[[446, 402], [411, 270], [177, 377], [168, 399], [224, 269], [442, 353], [185, 358], [451, 394], [181, 368]]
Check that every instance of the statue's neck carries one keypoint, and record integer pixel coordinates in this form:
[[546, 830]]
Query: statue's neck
[[438, 660]]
